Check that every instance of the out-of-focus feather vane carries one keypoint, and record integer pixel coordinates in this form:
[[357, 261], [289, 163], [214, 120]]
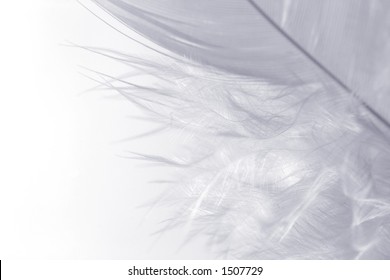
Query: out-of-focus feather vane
[[349, 38], [286, 107]]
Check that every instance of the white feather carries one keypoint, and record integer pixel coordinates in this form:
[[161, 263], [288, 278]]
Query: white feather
[[282, 111]]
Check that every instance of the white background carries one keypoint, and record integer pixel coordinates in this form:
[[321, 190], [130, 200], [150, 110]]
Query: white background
[[321, 270], [65, 189]]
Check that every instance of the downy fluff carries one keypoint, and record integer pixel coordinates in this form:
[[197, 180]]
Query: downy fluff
[[282, 111]]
